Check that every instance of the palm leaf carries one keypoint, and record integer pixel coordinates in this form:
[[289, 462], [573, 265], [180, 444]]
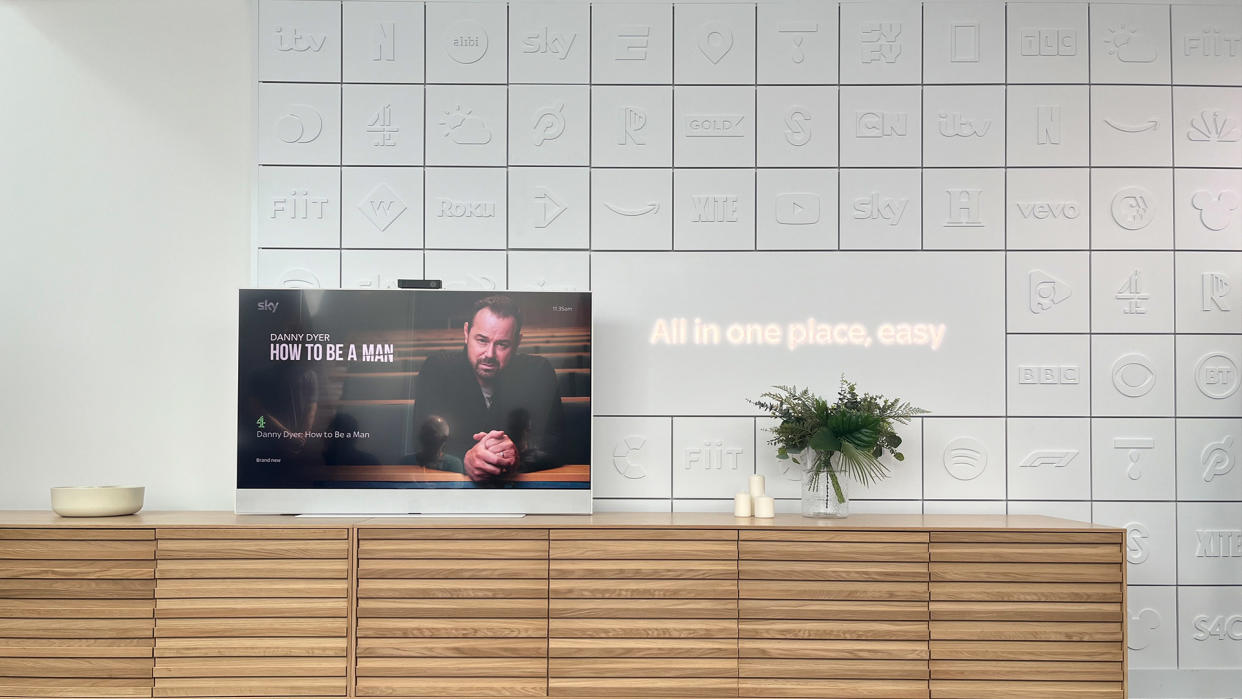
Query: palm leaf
[[860, 465]]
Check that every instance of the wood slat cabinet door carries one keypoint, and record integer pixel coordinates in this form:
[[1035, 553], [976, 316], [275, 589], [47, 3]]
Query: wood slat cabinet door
[[252, 612], [832, 614], [643, 613], [1028, 615], [452, 612], [76, 612]]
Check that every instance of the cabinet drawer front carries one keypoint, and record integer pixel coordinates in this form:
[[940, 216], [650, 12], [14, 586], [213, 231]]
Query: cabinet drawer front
[[76, 648], [223, 666], [452, 648], [1027, 553], [76, 628], [857, 536], [1025, 631], [839, 650], [838, 630], [508, 549], [862, 611], [835, 551], [642, 647], [250, 687], [835, 689], [73, 687], [643, 609], [975, 689], [1027, 592], [642, 628], [1026, 670], [644, 550], [644, 589], [51, 550], [460, 608], [1026, 611], [451, 568], [253, 647], [103, 668], [644, 687], [253, 568], [76, 608], [451, 687], [724, 570], [292, 607], [842, 571], [453, 667], [451, 588], [249, 626], [482, 533], [453, 628], [1027, 650], [78, 570], [833, 590], [251, 548], [628, 534], [189, 588], [1028, 572], [643, 667], [78, 534]]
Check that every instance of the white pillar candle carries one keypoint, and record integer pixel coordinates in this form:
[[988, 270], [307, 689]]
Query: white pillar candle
[[741, 505], [765, 507], [756, 486]]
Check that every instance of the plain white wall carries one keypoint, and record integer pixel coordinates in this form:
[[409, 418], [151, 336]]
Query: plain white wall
[[126, 159]]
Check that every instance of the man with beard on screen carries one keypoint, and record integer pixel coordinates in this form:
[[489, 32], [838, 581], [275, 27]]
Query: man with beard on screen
[[502, 408]]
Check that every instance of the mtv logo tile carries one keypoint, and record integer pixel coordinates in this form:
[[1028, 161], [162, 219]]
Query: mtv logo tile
[[1080, 511], [1048, 125], [1151, 624], [465, 208], [466, 125], [796, 209], [382, 42], [782, 478], [881, 42], [466, 42], [713, 126], [550, 42], [1131, 209], [1209, 627], [468, 270], [299, 124], [549, 271], [880, 209], [797, 126], [963, 209], [383, 207], [298, 269], [905, 480], [631, 209], [879, 126], [713, 457], [1048, 292], [964, 42], [631, 457], [1209, 292], [1132, 458], [1132, 375], [1150, 538], [549, 207], [1207, 45], [632, 43], [963, 458], [299, 41], [797, 43], [1208, 375], [1130, 125], [549, 125], [964, 126], [714, 210], [1208, 209], [299, 207], [1049, 375], [382, 125], [379, 269], [1047, 43], [1131, 292], [714, 44], [631, 126], [1129, 44], [1049, 458], [1208, 455], [1209, 543], [1207, 126], [1048, 209]]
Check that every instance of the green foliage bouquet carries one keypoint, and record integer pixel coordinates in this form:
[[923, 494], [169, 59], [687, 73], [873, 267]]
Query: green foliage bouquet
[[857, 428]]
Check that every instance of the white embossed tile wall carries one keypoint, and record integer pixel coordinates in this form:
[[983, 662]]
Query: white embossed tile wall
[[1048, 193]]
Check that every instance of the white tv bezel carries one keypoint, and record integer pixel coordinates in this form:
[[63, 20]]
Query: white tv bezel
[[429, 501]]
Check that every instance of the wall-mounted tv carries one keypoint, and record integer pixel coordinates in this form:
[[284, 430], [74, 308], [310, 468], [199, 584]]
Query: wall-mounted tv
[[413, 401]]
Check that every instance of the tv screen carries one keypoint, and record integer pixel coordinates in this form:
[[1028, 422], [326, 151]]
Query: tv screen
[[444, 401]]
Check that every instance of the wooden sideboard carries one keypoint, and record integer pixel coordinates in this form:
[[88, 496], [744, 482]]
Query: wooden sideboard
[[206, 604]]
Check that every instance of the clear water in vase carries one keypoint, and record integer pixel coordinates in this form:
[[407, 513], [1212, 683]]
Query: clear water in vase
[[823, 494]]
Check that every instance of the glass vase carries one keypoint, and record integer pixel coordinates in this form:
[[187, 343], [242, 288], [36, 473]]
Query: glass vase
[[824, 491]]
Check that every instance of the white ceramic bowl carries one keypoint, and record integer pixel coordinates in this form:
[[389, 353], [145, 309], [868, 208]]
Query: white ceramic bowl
[[97, 500]]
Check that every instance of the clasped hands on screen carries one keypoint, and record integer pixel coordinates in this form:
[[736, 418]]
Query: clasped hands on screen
[[492, 454]]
